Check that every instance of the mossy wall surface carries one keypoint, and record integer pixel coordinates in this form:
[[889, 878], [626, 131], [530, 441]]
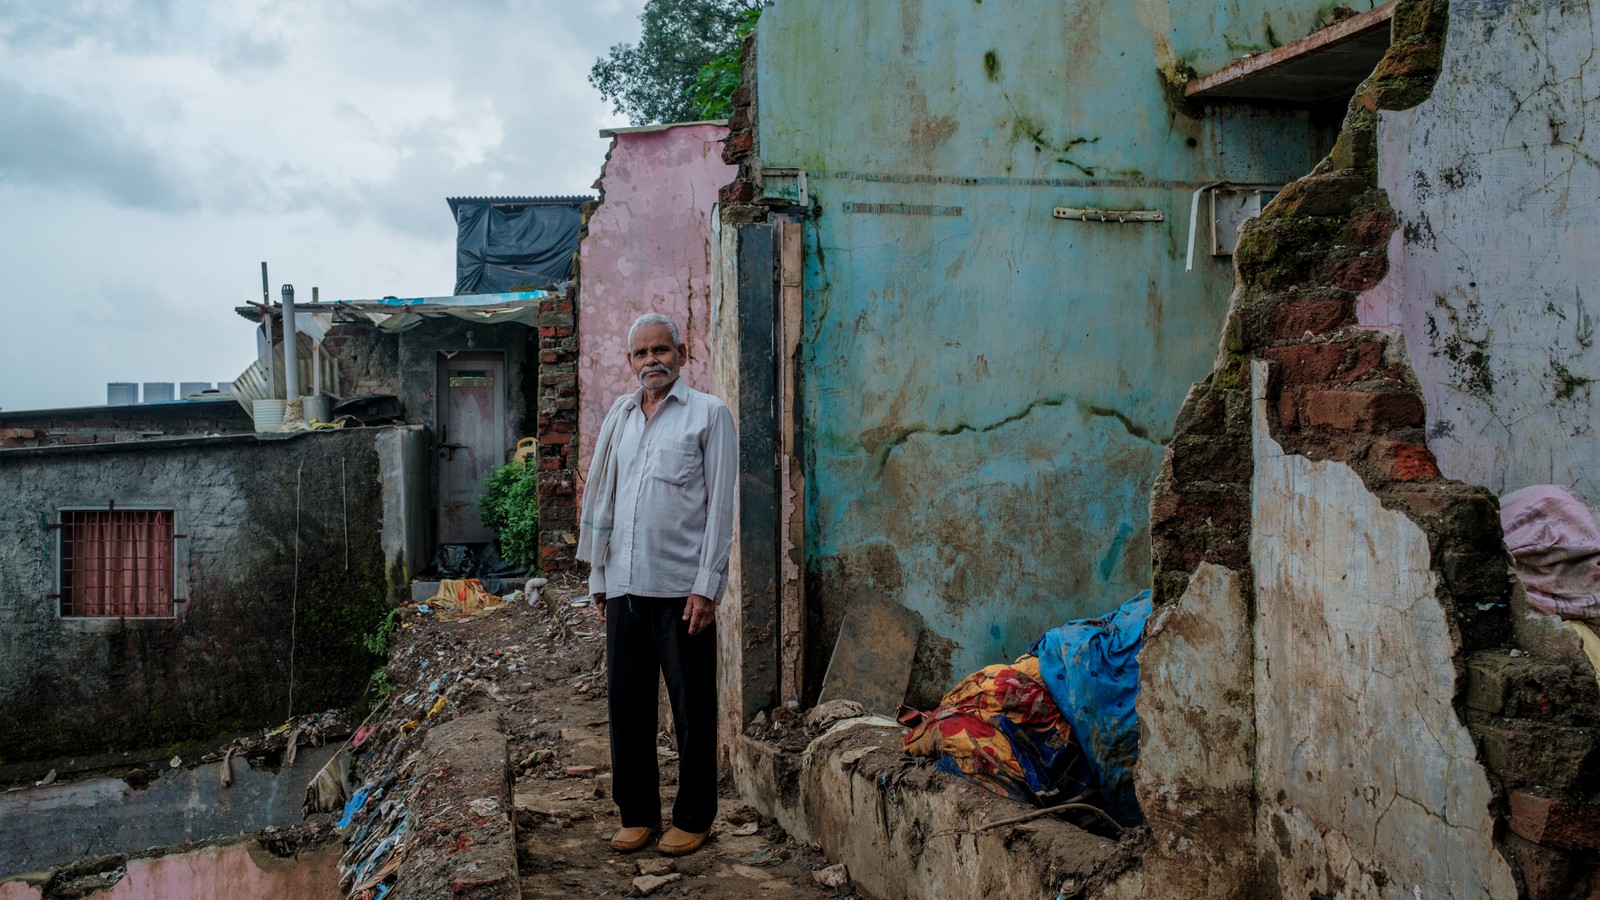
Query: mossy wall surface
[[279, 574]]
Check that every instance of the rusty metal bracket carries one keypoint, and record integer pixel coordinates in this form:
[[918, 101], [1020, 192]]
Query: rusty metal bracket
[[1109, 215]]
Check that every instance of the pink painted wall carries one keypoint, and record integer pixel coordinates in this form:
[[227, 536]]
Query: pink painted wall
[[648, 250], [242, 871]]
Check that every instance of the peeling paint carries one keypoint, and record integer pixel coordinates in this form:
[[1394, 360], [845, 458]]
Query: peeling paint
[[1495, 176], [646, 251], [989, 393]]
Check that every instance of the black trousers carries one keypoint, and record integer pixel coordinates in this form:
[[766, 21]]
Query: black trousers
[[647, 639]]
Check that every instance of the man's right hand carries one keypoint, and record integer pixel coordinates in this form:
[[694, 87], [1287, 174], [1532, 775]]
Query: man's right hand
[[600, 604]]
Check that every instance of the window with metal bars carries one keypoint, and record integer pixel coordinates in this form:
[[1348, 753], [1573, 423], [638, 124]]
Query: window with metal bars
[[116, 562]]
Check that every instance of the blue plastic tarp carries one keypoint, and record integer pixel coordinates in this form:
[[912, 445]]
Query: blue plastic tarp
[[1091, 667]]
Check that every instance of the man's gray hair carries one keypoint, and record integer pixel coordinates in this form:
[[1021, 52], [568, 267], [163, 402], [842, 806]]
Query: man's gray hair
[[655, 319]]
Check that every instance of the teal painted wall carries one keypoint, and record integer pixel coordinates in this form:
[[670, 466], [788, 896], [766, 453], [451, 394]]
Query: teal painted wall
[[987, 390]]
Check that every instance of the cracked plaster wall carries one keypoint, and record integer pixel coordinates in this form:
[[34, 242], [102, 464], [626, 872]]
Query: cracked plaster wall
[[1361, 759], [647, 250], [1493, 276], [987, 389]]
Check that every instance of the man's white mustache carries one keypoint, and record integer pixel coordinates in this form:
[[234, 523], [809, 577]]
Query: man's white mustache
[[654, 368]]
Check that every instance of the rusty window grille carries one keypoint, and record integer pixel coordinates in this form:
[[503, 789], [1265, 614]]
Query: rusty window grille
[[116, 562]]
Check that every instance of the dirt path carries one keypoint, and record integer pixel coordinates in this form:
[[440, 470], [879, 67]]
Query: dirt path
[[540, 667]]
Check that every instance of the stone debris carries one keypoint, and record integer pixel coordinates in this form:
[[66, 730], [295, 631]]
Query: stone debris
[[657, 866], [645, 885], [833, 876]]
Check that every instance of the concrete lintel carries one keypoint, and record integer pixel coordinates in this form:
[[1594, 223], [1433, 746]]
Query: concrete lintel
[[1326, 64]]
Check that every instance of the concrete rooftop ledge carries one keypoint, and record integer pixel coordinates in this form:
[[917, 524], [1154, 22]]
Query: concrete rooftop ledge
[[1324, 65], [854, 792]]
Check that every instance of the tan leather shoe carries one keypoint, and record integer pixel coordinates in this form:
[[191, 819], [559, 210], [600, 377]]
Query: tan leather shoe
[[627, 840], [677, 842]]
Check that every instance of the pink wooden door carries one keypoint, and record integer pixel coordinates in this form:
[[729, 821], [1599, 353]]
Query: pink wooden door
[[472, 440]]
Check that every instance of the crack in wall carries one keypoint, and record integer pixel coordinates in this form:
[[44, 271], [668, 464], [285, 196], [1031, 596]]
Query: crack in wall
[[882, 441]]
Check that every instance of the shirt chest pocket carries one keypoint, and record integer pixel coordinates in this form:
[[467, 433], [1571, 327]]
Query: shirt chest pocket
[[675, 462]]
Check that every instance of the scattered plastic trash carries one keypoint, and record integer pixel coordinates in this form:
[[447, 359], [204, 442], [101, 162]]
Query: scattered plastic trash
[[354, 806], [425, 609], [48, 779]]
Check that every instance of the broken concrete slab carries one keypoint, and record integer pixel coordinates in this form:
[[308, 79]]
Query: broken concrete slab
[[871, 661], [463, 759], [910, 831]]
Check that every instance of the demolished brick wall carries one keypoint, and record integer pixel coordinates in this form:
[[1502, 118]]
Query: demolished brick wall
[[1341, 393], [557, 432]]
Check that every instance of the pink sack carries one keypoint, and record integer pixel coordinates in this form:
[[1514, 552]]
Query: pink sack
[[1555, 541]]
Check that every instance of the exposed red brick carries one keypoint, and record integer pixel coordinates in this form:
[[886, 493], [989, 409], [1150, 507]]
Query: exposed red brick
[[1555, 823], [737, 192], [1308, 363], [554, 330], [1357, 273], [1371, 228], [554, 438], [742, 142], [1289, 401], [1362, 410], [1403, 461], [1546, 874], [1295, 319], [1368, 361]]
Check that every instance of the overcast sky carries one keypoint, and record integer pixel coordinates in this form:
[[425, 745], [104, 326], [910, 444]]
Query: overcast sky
[[154, 152]]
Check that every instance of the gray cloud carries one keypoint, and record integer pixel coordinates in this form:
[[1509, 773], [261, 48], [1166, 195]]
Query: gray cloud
[[245, 53], [130, 26], [59, 144]]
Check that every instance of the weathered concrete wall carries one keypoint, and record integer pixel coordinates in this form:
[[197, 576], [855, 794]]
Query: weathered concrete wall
[[59, 823], [1398, 701], [909, 832], [647, 250], [367, 358], [1361, 758], [1492, 270], [988, 389], [280, 570]]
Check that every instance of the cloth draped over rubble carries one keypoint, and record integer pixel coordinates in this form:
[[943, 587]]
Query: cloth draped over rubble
[[1000, 728], [1055, 724], [1091, 667], [1553, 537]]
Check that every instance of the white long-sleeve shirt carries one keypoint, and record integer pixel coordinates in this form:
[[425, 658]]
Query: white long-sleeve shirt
[[672, 527]]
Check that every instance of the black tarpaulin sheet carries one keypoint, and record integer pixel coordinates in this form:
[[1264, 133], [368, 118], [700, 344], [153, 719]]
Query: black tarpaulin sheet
[[503, 245]]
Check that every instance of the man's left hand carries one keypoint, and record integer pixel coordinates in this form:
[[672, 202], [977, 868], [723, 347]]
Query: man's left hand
[[699, 612]]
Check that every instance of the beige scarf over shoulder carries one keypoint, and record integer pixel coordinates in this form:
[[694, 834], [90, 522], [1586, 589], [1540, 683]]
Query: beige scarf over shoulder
[[600, 489]]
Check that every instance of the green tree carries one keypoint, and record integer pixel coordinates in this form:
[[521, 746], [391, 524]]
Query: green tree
[[656, 80]]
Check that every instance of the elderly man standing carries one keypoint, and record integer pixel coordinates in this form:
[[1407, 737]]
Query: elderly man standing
[[656, 529]]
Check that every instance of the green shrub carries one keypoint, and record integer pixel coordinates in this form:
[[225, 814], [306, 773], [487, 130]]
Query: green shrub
[[510, 505]]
